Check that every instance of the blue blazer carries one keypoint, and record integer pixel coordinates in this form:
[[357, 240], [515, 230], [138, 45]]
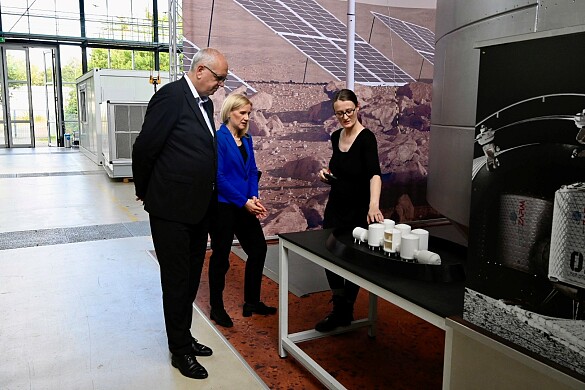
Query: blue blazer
[[236, 181]]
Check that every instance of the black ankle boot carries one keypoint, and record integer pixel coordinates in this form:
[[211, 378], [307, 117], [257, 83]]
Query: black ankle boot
[[342, 315]]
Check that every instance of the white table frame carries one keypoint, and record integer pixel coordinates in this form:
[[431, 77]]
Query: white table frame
[[287, 342]]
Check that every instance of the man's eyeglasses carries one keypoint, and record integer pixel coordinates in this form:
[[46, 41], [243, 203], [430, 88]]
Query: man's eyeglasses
[[220, 79], [349, 112]]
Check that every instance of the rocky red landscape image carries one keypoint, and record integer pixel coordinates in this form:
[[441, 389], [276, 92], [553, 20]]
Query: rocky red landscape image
[[292, 146]]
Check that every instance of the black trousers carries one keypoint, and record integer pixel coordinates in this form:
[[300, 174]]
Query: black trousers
[[234, 220], [336, 282], [340, 217], [180, 250]]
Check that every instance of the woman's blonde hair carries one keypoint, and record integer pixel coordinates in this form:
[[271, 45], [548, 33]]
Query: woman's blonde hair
[[234, 102]]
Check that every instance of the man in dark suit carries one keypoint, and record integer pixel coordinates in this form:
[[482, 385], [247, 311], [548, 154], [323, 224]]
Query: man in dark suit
[[174, 163]]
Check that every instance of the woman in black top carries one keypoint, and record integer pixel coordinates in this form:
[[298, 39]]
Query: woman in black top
[[355, 178]]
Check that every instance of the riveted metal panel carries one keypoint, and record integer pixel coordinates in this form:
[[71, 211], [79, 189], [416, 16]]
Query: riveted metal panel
[[555, 14], [455, 14]]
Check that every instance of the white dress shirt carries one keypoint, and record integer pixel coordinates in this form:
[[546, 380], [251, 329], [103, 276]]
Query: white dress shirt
[[200, 101]]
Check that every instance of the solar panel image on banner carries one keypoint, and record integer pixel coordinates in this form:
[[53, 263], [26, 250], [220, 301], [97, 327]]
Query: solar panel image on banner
[[419, 38], [387, 71], [276, 16], [322, 37], [232, 82], [319, 18], [430, 57], [329, 56]]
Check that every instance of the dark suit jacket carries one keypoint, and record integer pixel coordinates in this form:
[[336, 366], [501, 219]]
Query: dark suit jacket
[[174, 157], [237, 181]]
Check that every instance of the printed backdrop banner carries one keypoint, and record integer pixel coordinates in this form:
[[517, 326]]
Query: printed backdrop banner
[[289, 57], [525, 273]]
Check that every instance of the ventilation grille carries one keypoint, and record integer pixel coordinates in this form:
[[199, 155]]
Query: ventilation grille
[[128, 120]]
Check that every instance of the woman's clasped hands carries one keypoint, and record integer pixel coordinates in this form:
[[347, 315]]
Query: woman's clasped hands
[[255, 207]]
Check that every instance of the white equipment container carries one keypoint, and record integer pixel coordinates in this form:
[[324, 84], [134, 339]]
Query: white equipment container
[[567, 247], [101, 85]]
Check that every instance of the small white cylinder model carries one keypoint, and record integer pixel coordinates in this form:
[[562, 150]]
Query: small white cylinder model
[[427, 257], [360, 235], [375, 235], [389, 224], [423, 238], [404, 229], [408, 245]]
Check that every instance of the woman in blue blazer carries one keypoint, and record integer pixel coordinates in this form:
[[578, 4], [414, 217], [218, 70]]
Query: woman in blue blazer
[[238, 211]]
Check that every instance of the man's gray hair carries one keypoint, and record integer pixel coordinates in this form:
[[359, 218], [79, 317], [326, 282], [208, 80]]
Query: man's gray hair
[[205, 56]]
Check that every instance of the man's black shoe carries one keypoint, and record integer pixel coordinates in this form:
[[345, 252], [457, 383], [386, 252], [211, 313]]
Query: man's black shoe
[[258, 308], [200, 349], [189, 366], [221, 318]]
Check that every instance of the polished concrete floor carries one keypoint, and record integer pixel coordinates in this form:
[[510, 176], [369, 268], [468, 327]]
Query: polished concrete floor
[[79, 290]]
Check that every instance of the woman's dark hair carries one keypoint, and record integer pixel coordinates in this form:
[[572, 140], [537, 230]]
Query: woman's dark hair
[[345, 95]]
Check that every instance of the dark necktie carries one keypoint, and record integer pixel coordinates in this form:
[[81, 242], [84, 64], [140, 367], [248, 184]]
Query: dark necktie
[[207, 105], [208, 108]]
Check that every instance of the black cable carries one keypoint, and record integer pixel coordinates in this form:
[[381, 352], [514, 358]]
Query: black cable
[[210, 22]]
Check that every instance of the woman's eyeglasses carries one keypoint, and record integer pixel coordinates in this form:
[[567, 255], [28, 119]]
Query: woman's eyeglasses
[[349, 112], [220, 79]]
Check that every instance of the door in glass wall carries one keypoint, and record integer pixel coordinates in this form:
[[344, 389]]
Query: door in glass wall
[[17, 97], [3, 126], [50, 131]]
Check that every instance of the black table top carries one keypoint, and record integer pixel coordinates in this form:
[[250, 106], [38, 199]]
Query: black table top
[[443, 299]]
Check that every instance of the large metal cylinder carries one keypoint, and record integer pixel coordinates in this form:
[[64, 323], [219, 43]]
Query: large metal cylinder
[[461, 26]]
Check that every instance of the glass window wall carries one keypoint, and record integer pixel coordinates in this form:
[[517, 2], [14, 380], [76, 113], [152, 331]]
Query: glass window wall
[[120, 20], [118, 34], [41, 17]]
